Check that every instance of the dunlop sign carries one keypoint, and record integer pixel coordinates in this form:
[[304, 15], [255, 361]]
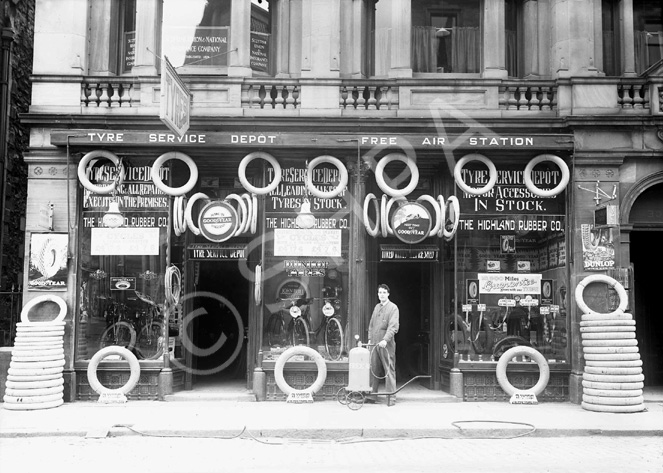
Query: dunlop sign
[[175, 100]]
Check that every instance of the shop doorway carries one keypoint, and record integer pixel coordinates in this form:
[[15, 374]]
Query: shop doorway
[[219, 329], [646, 259], [410, 290]]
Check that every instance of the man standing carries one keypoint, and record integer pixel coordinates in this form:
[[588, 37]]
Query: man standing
[[381, 330]]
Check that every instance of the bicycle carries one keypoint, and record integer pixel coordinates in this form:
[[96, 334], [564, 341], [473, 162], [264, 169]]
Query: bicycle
[[331, 327], [297, 330], [120, 332], [150, 340]]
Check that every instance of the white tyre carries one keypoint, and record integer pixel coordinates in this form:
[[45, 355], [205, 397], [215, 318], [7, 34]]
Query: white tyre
[[610, 350], [189, 211], [33, 392], [36, 377], [612, 357], [458, 174], [44, 381], [613, 400], [241, 172], [612, 370], [32, 399], [619, 363], [608, 329], [613, 392], [383, 216], [38, 357], [414, 175], [129, 357], [33, 351], [33, 406], [613, 378], [38, 345], [609, 322], [32, 371], [45, 298], [631, 342], [174, 191], [36, 364], [82, 171], [250, 209], [242, 213], [613, 386], [343, 177], [43, 340], [254, 214], [455, 207], [41, 328], [595, 278], [616, 409], [602, 317], [544, 370], [437, 211], [607, 335], [390, 203], [306, 351], [375, 229], [527, 175]]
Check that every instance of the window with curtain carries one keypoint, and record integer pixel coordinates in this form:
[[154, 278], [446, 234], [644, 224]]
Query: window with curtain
[[648, 33], [611, 41], [511, 37], [127, 30], [261, 38], [446, 36]]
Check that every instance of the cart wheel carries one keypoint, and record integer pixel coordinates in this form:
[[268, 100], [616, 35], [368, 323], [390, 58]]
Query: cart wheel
[[341, 396], [355, 400]]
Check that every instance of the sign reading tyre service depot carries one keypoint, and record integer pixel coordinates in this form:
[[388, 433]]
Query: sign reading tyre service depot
[[218, 221]]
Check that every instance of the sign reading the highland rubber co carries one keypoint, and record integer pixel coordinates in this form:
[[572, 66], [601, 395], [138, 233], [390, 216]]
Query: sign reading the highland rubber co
[[175, 100]]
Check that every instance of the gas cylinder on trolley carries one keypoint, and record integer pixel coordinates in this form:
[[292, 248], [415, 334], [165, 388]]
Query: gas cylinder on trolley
[[359, 375]]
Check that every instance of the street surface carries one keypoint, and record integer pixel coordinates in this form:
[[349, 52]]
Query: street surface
[[135, 453]]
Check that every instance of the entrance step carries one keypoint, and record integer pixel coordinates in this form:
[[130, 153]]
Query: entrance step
[[207, 395]]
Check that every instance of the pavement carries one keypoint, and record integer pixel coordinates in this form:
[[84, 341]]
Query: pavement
[[417, 414]]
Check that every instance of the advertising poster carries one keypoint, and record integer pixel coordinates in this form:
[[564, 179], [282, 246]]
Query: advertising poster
[[48, 261], [598, 248]]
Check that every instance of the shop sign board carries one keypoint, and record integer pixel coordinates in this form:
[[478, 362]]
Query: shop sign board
[[122, 283], [175, 100], [48, 261], [598, 248], [307, 242], [218, 221], [409, 253], [411, 222], [509, 283], [472, 288], [212, 251], [124, 241]]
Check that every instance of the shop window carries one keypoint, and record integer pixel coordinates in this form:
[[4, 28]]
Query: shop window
[[121, 298], [196, 33], [446, 36], [509, 262], [261, 38], [648, 32], [305, 270], [611, 43]]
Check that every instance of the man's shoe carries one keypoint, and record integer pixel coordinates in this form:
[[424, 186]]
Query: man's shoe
[[391, 402], [371, 399]]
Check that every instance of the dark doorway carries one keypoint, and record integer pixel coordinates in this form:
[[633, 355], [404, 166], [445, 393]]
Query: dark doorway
[[410, 290], [647, 259], [221, 298]]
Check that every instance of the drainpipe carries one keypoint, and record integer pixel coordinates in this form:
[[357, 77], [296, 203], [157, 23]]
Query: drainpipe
[[7, 40]]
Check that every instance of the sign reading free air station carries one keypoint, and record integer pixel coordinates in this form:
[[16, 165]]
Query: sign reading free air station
[[218, 221]]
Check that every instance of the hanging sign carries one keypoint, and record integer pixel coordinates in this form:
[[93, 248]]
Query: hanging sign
[[175, 100], [211, 251], [409, 252], [411, 222], [218, 221]]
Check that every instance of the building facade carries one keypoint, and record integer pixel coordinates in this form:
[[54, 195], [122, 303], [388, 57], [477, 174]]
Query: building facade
[[230, 178]]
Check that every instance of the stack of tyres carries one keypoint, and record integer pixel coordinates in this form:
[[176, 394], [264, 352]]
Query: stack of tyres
[[612, 379], [34, 378]]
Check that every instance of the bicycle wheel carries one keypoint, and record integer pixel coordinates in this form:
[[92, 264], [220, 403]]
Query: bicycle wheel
[[120, 334], [482, 343], [508, 342], [455, 335], [334, 338], [275, 331], [150, 341], [300, 335]]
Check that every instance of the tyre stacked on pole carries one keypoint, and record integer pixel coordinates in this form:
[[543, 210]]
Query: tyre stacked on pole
[[612, 379], [34, 378]]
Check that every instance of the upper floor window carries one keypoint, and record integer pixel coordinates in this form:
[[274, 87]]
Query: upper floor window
[[196, 33], [127, 30], [648, 31], [446, 36], [610, 31], [261, 37]]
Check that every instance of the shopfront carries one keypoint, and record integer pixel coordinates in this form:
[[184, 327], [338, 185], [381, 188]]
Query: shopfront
[[233, 248]]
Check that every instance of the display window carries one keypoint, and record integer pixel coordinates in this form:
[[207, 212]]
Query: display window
[[507, 267], [123, 239], [305, 270]]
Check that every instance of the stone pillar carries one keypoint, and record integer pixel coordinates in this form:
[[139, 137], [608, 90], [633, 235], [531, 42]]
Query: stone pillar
[[544, 38], [60, 38], [358, 266], [627, 38], [572, 38], [281, 36], [494, 49], [295, 59], [356, 18], [239, 62], [401, 38], [321, 40], [147, 24], [104, 40], [531, 39]]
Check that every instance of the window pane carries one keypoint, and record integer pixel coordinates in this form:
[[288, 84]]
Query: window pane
[[610, 22], [127, 35], [196, 32], [648, 31], [261, 37], [446, 36]]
